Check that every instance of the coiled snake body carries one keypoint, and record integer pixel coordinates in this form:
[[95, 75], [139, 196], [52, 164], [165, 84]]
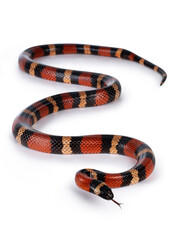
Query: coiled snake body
[[107, 90]]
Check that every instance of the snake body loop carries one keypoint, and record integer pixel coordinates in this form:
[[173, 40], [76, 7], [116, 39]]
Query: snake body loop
[[108, 89]]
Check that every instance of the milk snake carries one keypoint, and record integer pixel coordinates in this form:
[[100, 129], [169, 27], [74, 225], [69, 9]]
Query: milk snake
[[108, 89]]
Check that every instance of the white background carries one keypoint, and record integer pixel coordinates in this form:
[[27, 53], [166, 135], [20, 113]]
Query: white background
[[38, 196]]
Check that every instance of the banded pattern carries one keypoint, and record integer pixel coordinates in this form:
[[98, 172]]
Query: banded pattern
[[108, 89]]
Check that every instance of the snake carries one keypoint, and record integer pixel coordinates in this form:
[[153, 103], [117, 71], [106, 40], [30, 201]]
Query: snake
[[105, 89]]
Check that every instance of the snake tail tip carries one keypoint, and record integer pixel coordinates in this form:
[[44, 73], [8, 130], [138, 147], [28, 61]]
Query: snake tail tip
[[163, 80]]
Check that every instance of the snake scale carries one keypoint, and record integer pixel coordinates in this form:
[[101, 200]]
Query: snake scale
[[107, 89]]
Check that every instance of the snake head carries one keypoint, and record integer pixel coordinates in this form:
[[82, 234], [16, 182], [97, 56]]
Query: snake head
[[100, 189], [106, 193]]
